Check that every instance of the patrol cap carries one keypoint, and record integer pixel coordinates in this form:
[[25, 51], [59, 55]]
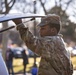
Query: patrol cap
[[52, 20]]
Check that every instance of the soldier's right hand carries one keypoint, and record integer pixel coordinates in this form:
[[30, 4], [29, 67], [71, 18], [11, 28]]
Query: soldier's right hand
[[17, 21], [19, 25]]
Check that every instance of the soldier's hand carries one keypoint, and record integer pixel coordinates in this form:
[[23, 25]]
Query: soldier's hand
[[17, 21], [21, 26]]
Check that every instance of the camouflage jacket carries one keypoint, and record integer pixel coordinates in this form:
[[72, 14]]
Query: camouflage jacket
[[54, 57]]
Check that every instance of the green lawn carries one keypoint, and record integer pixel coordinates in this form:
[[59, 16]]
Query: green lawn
[[18, 67], [74, 61]]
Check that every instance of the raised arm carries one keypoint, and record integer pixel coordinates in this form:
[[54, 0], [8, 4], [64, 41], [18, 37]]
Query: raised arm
[[25, 34]]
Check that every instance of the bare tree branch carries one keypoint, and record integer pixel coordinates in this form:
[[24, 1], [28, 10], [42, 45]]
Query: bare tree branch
[[68, 3], [7, 5], [12, 4], [60, 3], [42, 4], [55, 3]]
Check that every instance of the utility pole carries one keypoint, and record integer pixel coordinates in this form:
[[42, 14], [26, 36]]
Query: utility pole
[[34, 1], [4, 40], [35, 20], [0, 6]]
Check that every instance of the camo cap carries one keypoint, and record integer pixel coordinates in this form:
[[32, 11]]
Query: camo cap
[[50, 19]]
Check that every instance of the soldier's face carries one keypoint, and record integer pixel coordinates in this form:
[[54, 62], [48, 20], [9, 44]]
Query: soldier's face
[[45, 30]]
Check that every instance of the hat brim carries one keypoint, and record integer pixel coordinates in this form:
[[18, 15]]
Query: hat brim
[[43, 23]]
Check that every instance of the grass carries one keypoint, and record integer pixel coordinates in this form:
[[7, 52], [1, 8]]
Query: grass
[[74, 62], [18, 66]]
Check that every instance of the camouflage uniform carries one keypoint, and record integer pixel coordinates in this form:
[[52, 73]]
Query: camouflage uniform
[[54, 57]]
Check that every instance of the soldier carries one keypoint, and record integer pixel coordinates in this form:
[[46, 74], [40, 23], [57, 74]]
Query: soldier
[[49, 45]]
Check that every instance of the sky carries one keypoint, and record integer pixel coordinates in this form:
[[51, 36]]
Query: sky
[[49, 5]]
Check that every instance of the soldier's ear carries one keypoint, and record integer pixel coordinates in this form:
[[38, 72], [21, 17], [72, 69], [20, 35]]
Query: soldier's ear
[[53, 30]]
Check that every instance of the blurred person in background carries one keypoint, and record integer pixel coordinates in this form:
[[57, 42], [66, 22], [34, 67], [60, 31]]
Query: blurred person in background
[[9, 60], [49, 45], [25, 60]]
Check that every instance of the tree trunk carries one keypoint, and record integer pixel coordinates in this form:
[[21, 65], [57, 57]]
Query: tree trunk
[[4, 40]]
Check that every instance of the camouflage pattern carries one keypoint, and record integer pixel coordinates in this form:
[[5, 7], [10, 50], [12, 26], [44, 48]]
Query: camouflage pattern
[[50, 19], [54, 57]]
